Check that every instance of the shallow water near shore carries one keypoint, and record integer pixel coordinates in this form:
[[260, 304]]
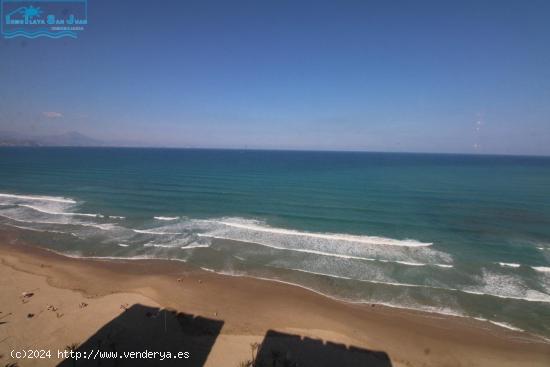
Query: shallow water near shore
[[465, 235]]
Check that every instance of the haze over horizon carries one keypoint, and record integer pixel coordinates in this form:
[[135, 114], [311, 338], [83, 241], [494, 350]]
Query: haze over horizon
[[469, 77]]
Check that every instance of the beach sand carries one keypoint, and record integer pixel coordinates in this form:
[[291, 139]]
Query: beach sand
[[138, 305]]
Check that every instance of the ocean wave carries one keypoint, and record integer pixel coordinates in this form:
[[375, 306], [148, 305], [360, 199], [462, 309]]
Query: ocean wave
[[103, 226], [397, 284], [322, 253], [499, 323], [148, 231], [194, 246], [360, 247], [532, 296], [39, 198], [2, 214], [158, 245], [60, 213], [245, 275], [41, 209], [370, 240], [424, 308], [167, 218], [176, 244], [537, 296], [38, 229], [506, 287], [78, 255], [411, 263], [331, 250]]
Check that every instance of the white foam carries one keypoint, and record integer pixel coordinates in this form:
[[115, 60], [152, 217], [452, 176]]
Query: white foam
[[243, 275], [509, 265], [37, 229], [537, 296], [29, 221], [194, 246], [433, 310], [505, 325], [323, 274], [506, 287], [103, 227], [116, 217], [531, 295], [147, 231], [501, 324], [114, 258], [212, 271], [123, 245], [59, 213], [542, 269], [410, 263], [295, 249], [365, 248], [322, 253], [167, 218], [396, 284], [361, 247], [39, 198], [370, 240], [158, 245]]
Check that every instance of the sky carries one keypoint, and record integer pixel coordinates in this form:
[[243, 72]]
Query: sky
[[405, 76]]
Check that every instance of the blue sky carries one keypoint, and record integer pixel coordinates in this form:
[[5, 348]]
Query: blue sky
[[422, 76]]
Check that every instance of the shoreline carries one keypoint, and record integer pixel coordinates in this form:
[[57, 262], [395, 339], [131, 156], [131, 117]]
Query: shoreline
[[250, 307], [308, 289]]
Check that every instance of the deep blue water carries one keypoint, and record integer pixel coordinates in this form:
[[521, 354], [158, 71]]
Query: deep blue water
[[459, 234]]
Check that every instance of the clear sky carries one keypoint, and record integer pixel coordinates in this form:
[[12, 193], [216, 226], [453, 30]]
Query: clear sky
[[430, 76]]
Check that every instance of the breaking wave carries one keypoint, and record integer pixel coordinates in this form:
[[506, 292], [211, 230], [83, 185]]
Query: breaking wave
[[392, 264], [167, 218], [256, 226], [38, 198]]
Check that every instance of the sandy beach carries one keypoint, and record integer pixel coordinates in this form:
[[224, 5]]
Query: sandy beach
[[274, 183], [52, 302]]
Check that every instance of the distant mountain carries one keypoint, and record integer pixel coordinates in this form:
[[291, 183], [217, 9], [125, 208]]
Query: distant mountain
[[4, 142], [68, 139]]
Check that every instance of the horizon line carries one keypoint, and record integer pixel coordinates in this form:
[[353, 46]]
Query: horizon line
[[275, 150]]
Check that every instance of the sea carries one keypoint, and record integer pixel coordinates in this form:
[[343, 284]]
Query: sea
[[465, 235]]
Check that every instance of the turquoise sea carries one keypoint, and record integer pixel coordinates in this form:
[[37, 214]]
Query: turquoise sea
[[455, 234]]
